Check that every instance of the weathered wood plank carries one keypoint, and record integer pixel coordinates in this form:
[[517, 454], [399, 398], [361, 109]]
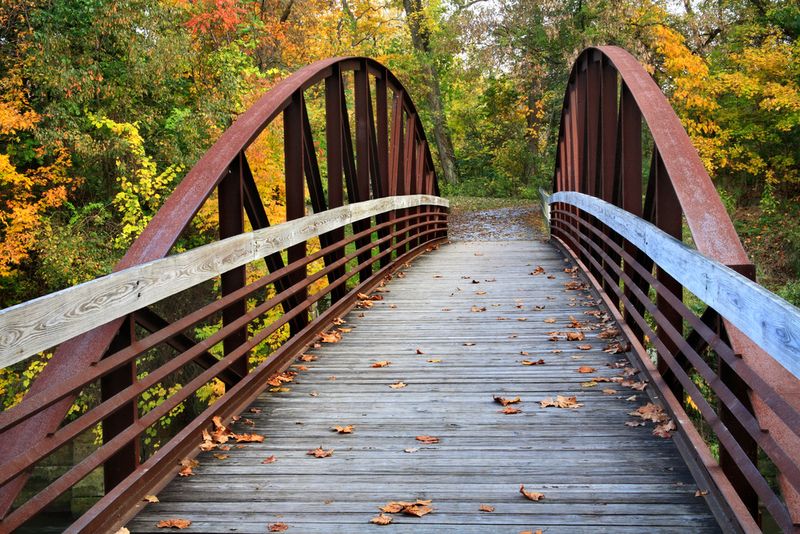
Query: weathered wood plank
[[597, 474], [42, 323]]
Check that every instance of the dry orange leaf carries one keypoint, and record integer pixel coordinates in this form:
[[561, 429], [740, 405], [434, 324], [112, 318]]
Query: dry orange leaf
[[532, 495], [394, 507], [478, 309], [434, 361], [665, 430], [278, 527], [381, 519], [561, 402], [339, 321], [428, 439], [575, 336], [174, 523], [538, 270], [398, 385], [219, 456], [609, 391], [382, 363], [151, 498], [343, 429], [269, 460], [585, 347], [586, 369], [417, 510], [319, 452], [187, 464], [331, 337], [506, 402], [249, 438], [307, 358], [486, 508], [650, 412], [530, 362], [510, 410]]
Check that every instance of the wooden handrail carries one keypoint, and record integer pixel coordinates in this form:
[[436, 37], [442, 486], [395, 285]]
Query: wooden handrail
[[764, 317], [39, 324]]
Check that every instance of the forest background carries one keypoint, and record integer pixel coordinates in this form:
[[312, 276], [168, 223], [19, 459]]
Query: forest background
[[104, 105]]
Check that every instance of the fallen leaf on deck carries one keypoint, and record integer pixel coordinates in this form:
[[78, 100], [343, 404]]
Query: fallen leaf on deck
[[700, 493], [538, 270], [339, 321], [319, 452], [610, 391], [586, 369], [249, 438], [174, 523], [381, 519], [608, 333], [575, 336], [574, 286], [219, 456], [664, 430], [522, 318], [434, 361], [638, 386], [269, 460], [634, 423], [585, 347], [486, 508], [411, 450], [589, 384], [532, 495], [187, 464], [398, 385], [428, 439], [561, 402], [530, 362], [278, 527], [650, 412], [510, 410], [550, 320], [332, 378], [307, 358], [480, 292], [301, 367], [417, 510], [345, 330], [478, 309], [123, 530], [330, 337], [468, 344], [420, 351], [506, 402], [382, 363], [632, 398], [343, 429], [151, 498]]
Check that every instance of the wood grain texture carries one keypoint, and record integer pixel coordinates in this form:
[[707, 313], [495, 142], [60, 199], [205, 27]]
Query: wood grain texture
[[597, 474], [768, 320], [39, 324]]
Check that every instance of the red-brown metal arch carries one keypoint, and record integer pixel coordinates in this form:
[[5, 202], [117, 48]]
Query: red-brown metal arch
[[599, 153], [226, 159]]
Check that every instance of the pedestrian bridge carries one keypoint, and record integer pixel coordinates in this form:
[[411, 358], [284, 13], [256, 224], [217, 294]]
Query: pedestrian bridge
[[626, 374]]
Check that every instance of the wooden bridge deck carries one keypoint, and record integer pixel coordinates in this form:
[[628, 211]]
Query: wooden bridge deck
[[595, 472]]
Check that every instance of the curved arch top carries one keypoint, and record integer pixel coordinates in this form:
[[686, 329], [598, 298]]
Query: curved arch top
[[187, 198], [640, 96]]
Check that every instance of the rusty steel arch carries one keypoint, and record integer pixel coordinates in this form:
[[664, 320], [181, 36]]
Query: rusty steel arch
[[384, 154], [601, 146]]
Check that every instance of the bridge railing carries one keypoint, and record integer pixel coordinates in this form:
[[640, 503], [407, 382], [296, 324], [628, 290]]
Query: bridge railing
[[175, 326], [733, 367]]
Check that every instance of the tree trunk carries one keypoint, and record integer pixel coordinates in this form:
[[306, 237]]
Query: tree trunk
[[420, 38]]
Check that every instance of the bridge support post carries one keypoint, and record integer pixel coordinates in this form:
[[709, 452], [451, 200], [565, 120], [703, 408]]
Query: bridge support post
[[739, 388], [231, 223], [126, 460]]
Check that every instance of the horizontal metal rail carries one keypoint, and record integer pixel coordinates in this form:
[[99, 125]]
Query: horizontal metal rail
[[764, 317], [39, 324]]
